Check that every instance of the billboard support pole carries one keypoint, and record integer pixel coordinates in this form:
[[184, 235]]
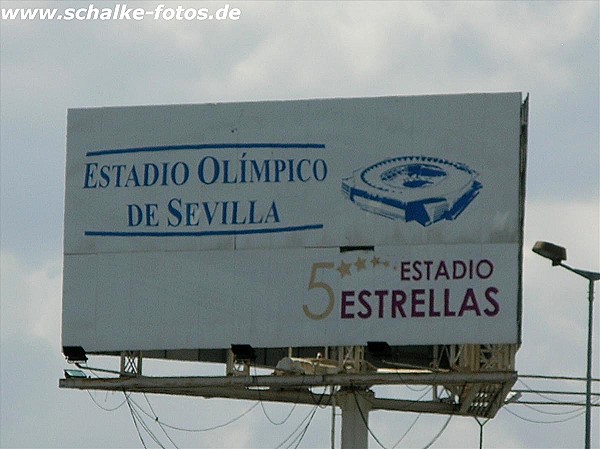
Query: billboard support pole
[[355, 407]]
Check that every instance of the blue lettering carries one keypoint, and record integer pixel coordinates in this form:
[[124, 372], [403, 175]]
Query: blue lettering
[[299, 172], [147, 181], [134, 214], [105, 176], [119, 170], [151, 219], [272, 214], [89, 174], [133, 177], [185, 173], [279, 168], [202, 170], [174, 206], [320, 175], [226, 179], [190, 209]]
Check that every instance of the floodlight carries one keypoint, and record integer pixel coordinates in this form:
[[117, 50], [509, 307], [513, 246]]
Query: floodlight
[[379, 349], [74, 354], [74, 374], [557, 254], [243, 352]]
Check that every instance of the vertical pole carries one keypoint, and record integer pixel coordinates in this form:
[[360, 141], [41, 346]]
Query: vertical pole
[[355, 419], [588, 378], [333, 405], [481, 424]]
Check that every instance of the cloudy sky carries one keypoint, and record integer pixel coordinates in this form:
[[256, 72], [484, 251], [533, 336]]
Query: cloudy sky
[[295, 50]]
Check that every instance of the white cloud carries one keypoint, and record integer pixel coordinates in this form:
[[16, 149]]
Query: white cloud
[[31, 299], [294, 50]]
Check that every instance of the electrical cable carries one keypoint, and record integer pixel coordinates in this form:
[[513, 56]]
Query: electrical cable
[[145, 426], [400, 376], [407, 431], [134, 421], [426, 387], [552, 401], [262, 405], [158, 421], [296, 429], [564, 393], [539, 394], [308, 417], [284, 420], [314, 411], [439, 434], [364, 419], [301, 437], [540, 376], [546, 412], [102, 407], [544, 422], [219, 426]]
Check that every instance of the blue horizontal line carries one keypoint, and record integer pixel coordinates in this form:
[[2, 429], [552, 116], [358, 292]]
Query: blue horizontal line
[[201, 233], [207, 146]]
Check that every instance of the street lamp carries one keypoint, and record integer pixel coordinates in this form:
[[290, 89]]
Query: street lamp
[[558, 254]]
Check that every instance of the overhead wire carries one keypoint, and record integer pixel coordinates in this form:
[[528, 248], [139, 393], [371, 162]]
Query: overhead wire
[[298, 438], [550, 401], [407, 431], [439, 434], [207, 429], [301, 436], [538, 393], [134, 420], [144, 425], [296, 429], [262, 405], [544, 422], [541, 376], [364, 419], [106, 409], [314, 411], [568, 415], [158, 421]]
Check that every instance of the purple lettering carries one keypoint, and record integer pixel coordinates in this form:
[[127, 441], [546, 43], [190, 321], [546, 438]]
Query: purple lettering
[[496, 307], [347, 303], [398, 305], [469, 303], [362, 298], [416, 301]]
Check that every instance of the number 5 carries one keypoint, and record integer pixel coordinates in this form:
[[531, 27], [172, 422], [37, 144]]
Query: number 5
[[312, 283]]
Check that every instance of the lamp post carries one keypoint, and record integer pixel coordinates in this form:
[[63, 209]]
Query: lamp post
[[558, 254]]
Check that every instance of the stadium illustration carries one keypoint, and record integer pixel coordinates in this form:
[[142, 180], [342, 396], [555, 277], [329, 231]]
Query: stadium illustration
[[413, 188]]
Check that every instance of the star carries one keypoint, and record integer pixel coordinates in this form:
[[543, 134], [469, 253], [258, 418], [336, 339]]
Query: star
[[375, 261], [344, 269], [386, 264], [360, 264]]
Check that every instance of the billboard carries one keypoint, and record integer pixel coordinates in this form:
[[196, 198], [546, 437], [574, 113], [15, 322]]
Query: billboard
[[294, 223]]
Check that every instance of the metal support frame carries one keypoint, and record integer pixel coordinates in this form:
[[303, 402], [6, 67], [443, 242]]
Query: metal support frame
[[474, 382], [356, 405], [297, 388], [235, 367], [131, 363]]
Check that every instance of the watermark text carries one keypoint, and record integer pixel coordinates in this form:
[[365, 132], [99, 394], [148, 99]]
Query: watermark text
[[121, 11]]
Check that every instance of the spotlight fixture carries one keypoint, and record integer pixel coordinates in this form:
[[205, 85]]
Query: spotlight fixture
[[243, 352], [74, 354]]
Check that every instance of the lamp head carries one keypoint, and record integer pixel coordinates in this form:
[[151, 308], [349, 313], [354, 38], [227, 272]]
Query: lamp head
[[74, 354], [557, 254]]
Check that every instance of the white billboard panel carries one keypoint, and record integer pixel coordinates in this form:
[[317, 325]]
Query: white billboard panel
[[223, 223]]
